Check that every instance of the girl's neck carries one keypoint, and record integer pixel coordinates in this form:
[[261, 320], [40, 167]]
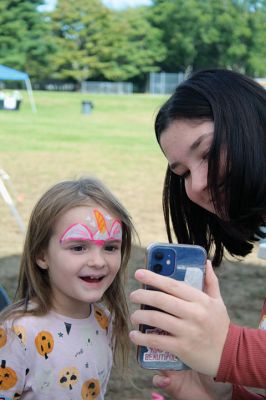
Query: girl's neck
[[74, 311]]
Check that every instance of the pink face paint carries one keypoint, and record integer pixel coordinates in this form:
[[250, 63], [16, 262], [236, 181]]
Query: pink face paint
[[99, 227]]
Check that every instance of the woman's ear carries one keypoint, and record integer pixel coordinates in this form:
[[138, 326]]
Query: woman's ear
[[41, 260]]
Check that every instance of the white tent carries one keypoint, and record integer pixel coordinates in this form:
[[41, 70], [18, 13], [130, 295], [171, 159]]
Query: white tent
[[9, 74]]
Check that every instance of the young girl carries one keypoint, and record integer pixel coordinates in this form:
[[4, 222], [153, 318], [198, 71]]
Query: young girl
[[212, 131], [57, 340]]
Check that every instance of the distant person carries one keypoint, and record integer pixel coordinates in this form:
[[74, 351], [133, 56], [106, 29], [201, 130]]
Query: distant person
[[212, 131], [57, 340]]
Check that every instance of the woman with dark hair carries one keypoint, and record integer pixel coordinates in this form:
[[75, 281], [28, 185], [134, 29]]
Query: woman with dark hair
[[212, 131]]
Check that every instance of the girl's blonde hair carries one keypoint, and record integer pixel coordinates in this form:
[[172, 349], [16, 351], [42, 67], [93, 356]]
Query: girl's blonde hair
[[34, 283]]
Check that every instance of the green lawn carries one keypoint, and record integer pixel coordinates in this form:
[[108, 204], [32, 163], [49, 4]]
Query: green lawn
[[115, 143], [58, 125]]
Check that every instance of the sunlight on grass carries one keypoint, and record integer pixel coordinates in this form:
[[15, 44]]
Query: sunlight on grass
[[115, 143], [115, 120]]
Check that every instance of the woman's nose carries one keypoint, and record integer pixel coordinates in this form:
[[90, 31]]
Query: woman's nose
[[196, 183]]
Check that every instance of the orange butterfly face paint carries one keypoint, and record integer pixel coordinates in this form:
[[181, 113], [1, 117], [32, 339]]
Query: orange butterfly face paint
[[98, 227]]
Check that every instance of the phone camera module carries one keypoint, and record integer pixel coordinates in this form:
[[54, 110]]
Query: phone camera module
[[158, 255], [157, 268]]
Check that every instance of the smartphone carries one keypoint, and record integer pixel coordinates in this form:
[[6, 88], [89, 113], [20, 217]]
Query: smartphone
[[183, 263]]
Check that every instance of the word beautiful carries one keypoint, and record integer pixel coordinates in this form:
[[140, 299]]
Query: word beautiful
[[153, 354]]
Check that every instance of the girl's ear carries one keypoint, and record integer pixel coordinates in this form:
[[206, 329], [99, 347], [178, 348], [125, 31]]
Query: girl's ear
[[41, 260]]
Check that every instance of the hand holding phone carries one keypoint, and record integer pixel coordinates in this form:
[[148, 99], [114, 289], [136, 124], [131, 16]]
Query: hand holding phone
[[181, 262]]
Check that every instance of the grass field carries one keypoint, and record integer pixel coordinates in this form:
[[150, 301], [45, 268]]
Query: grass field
[[115, 143]]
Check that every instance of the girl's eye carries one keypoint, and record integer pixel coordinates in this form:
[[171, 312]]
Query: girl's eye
[[78, 248], [111, 248]]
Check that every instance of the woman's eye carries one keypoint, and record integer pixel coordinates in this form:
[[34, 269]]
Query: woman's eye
[[205, 156], [185, 175]]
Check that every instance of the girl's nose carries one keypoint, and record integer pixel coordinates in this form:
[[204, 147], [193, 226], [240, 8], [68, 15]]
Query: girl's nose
[[96, 258]]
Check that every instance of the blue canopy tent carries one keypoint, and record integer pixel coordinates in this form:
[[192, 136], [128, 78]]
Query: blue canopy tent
[[9, 74]]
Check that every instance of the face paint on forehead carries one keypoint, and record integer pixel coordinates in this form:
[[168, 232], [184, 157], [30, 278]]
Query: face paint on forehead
[[99, 227]]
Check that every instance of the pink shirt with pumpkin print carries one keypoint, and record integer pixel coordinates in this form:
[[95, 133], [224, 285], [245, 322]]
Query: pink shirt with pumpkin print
[[56, 357]]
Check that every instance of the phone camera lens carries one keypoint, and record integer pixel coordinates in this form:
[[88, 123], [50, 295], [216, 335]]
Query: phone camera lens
[[158, 255], [157, 268]]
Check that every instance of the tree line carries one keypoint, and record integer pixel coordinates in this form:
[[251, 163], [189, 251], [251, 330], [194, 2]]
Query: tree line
[[84, 40]]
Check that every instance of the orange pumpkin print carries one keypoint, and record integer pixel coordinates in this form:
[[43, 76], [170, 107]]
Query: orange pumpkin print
[[90, 389], [101, 317], [44, 343], [21, 333], [68, 377], [8, 377], [3, 337]]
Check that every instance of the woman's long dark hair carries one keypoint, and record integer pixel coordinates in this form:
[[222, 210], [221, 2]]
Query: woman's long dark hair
[[236, 105]]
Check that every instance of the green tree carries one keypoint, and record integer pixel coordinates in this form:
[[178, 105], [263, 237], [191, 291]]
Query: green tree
[[96, 42], [211, 33], [25, 43], [135, 46], [256, 62]]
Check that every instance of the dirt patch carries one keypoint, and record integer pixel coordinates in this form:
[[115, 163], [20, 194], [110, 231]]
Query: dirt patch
[[243, 289]]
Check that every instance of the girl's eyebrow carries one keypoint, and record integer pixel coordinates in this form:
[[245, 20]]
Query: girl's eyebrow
[[192, 148]]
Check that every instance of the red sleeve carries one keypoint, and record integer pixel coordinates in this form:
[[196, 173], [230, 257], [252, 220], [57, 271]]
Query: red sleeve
[[240, 393], [243, 360]]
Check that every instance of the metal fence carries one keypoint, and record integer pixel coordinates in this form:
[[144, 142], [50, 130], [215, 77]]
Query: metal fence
[[164, 82], [54, 85], [107, 87]]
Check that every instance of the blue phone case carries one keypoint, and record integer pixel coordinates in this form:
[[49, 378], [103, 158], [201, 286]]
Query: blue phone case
[[181, 262]]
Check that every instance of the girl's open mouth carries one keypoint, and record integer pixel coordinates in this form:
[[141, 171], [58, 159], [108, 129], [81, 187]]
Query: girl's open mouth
[[92, 279]]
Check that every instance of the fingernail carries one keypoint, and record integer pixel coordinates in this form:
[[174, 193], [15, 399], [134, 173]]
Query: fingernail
[[133, 334], [163, 382], [139, 274]]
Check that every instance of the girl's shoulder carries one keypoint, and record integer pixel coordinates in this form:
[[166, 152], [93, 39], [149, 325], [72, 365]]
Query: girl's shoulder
[[101, 306], [20, 321], [101, 312], [103, 318]]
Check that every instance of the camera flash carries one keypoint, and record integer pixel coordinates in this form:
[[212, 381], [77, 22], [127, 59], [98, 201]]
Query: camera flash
[[168, 262]]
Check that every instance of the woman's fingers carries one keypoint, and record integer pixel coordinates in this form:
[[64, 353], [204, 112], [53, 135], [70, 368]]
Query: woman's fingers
[[161, 381], [211, 282], [155, 341], [162, 301], [168, 285], [163, 321]]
